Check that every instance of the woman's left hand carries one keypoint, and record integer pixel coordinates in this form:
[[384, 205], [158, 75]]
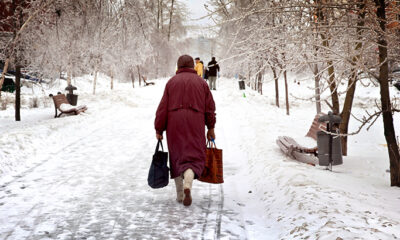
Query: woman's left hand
[[159, 137], [210, 134]]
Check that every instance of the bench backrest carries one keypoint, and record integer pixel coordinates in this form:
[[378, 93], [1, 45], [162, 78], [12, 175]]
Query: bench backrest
[[60, 99], [316, 126]]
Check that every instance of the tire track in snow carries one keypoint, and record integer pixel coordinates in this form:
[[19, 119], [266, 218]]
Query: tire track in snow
[[219, 214], [207, 213], [20, 221], [25, 173], [52, 155], [229, 141], [30, 170], [96, 193]]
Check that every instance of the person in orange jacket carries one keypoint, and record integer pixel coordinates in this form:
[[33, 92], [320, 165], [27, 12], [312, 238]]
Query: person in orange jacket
[[199, 67]]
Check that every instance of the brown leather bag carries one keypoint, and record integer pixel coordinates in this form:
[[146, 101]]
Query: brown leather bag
[[213, 169]]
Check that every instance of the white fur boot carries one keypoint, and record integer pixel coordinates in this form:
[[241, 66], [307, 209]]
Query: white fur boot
[[188, 176], [179, 189]]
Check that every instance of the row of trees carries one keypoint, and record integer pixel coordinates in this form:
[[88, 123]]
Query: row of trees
[[118, 38], [338, 42], [57, 38]]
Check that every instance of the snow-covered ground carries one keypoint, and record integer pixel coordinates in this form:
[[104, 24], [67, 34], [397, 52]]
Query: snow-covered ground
[[84, 177]]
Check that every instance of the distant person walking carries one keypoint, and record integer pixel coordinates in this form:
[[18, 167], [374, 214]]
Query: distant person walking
[[203, 70], [185, 108], [205, 74], [199, 67], [213, 69]]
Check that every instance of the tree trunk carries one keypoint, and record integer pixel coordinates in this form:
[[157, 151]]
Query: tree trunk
[[161, 14], [331, 68], [331, 79], [158, 14], [133, 78], [170, 19], [112, 81], [68, 78], [317, 89], [140, 76], [286, 92], [94, 82], [390, 134], [158, 65], [259, 82], [249, 75], [346, 112], [276, 86], [18, 93], [351, 88]]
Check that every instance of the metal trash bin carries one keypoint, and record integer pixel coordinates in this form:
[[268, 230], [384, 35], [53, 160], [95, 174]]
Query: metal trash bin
[[8, 85], [323, 149], [242, 86], [71, 97], [329, 145]]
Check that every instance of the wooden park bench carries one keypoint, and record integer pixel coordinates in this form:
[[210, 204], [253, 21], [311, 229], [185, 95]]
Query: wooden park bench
[[147, 83], [61, 104], [300, 153]]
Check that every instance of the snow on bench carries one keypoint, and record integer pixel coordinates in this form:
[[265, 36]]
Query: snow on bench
[[64, 107], [61, 103]]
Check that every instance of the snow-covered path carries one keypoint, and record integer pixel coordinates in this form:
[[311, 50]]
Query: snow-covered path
[[95, 187], [85, 176]]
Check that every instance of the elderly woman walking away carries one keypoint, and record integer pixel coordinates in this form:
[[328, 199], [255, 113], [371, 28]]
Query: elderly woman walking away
[[186, 107]]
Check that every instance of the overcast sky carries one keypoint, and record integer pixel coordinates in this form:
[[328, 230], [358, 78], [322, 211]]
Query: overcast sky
[[197, 10], [201, 47]]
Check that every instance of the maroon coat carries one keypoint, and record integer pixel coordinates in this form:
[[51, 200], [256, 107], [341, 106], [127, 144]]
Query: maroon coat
[[186, 107]]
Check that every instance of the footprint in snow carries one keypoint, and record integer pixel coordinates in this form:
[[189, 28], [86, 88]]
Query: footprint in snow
[[249, 222]]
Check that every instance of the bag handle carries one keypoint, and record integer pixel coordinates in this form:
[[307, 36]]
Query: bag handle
[[158, 146], [211, 144]]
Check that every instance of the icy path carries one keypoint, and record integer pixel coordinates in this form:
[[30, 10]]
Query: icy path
[[94, 186]]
